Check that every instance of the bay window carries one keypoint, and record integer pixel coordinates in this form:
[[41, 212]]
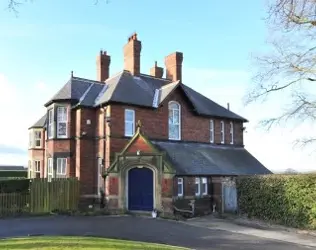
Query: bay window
[[61, 122], [50, 127], [222, 132], [61, 168]]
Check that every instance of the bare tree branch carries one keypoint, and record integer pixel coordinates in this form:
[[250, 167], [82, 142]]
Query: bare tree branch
[[291, 65]]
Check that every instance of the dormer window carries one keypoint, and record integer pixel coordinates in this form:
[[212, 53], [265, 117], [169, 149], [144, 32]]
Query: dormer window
[[222, 132], [174, 121], [62, 122]]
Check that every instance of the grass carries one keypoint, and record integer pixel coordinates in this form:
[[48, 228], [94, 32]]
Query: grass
[[69, 243]]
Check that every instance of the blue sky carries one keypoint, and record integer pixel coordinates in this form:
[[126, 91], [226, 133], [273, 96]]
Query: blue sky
[[48, 39]]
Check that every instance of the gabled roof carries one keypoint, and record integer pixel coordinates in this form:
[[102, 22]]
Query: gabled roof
[[190, 158], [142, 90], [41, 123]]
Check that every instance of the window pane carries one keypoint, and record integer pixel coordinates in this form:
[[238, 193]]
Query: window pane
[[173, 105], [173, 131], [129, 128], [170, 116], [62, 129], [176, 116], [129, 115], [179, 189]]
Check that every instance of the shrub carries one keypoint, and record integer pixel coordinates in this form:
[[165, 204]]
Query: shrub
[[14, 186], [286, 199], [5, 174]]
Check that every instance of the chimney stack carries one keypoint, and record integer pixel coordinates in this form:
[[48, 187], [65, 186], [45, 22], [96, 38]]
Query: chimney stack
[[103, 66], [173, 64], [156, 71], [132, 55]]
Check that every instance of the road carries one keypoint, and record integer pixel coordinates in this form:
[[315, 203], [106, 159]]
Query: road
[[139, 229]]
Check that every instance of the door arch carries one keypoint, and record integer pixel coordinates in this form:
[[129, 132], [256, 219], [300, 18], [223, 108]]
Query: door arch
[[140, 189]]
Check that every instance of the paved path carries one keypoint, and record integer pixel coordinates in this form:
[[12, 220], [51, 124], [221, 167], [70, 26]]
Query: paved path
[[140, 229], [268, 233]]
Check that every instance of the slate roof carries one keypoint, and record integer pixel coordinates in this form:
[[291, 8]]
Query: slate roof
[[40, 123], [142, 90], [12, 168], [207, 159]]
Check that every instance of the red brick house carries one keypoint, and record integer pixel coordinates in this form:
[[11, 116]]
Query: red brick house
[[161, 142]]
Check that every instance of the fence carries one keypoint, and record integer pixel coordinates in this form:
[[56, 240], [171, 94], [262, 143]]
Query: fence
[[43, 197]]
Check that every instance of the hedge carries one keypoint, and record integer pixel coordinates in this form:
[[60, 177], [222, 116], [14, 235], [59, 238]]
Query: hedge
[[14, 186], [284, 199], [13, 174]]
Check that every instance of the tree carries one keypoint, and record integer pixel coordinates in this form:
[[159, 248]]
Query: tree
[[290, 68]]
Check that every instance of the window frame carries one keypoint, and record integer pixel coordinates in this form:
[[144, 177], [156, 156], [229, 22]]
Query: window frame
[[64, 120], [36, 163], [198, 184], [30, 138], [50, 174], [132, 111], [100, 182], [179, 122], [37, 139], [204, 181], [222, 124], [63, 174], [231, 132], [212, 134], [50, 124], [180, 182]]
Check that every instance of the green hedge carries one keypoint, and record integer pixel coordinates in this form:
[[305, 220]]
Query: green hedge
[[285, 199], [13, 174], [14, 186]]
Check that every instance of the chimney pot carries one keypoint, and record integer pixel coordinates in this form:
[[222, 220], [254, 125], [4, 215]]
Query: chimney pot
[[103, 66], [156, 71], [228, 106], [173, 64]]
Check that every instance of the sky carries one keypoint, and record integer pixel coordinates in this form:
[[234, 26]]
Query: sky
[[47, 40]]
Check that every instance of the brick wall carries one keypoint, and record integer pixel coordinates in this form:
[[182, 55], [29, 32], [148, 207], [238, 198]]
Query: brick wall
[[155, 123]]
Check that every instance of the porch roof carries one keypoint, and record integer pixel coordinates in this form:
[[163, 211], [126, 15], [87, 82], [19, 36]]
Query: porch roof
[[189, 158]]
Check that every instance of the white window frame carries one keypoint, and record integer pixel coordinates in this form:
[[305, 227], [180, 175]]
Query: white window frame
[[231, 131], [30, 138], [50, 124], [222, 132], [212, 131], [61, 168], [178, 123], [62, 118], [204, 182], [180, 182], [30, 169], [36, 168], [129, 122], [100, 182], [36, 139], [50, 169], [198, 183]]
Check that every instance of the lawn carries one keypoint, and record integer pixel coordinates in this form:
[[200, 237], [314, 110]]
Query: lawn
[[68, 243]]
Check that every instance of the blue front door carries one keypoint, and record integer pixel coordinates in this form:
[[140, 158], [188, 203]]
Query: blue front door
[[140, 189]]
